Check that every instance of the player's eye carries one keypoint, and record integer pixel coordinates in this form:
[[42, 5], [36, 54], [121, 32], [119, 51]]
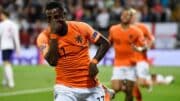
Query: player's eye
[[56, 16], [48, 18]]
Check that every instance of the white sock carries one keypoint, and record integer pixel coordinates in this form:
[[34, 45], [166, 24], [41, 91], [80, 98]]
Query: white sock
[[169, 79], [160, 79], [9, 75], [4, 79], [150, 83]]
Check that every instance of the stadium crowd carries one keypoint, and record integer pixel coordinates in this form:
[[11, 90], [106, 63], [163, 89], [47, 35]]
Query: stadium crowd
[[99, 13]]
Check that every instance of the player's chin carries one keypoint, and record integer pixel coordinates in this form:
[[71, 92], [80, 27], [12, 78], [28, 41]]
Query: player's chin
[[52, 63]]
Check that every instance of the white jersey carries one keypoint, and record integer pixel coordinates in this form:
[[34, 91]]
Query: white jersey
[[9, 35]]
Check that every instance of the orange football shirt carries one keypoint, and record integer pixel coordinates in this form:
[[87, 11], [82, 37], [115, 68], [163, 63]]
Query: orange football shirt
[[73, 65], [122, 40], [148, 38]]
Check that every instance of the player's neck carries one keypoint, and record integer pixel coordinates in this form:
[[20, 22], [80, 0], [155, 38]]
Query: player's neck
[[125, 26], [64, 30], [4, 18]]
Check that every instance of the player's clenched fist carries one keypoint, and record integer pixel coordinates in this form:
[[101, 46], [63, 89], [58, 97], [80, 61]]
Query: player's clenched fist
[[53, 48], [93, 70]]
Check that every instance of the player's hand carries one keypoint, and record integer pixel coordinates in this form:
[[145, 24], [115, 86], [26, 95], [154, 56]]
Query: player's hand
[[53, 55], [93, 70], [137, 48]]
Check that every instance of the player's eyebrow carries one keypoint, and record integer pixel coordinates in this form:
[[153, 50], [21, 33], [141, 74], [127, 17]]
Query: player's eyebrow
[[52, 11]]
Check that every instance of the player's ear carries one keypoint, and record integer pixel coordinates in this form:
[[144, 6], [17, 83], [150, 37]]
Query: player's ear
[[65, 13]]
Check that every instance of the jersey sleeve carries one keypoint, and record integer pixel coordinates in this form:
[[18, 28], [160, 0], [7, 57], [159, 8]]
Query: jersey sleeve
[[140, 40], [43, 42], [148, 35], [16, 37], [91, 34]]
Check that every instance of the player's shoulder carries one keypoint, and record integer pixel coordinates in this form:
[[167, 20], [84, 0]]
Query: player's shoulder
[[77, 23], [135, 29], [115, 27], [141, 25], [9, 23], [79, 26], [45, 33]]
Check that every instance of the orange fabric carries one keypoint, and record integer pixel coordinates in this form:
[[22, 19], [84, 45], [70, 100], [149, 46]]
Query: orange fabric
[[137, 93], [148, 38], [95, 61], [73, 66], [53, 36], [43, 41], [122, 39], [107, 97]]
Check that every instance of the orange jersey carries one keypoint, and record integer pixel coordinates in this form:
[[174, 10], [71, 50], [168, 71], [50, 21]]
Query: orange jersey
[[148, 38], [122, 40], [73, 66]]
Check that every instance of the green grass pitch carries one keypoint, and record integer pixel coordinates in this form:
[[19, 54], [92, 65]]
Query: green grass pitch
[[36, 84]]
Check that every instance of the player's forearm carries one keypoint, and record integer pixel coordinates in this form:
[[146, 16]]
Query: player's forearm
[[52, 55], [140, 49], [17, 40], [104, 45], [17, 45]]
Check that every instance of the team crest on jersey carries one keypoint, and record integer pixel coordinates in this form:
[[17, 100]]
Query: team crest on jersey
[[79, 39]]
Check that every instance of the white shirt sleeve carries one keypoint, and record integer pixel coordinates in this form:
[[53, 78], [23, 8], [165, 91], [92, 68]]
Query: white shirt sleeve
[[0, 34], [16, 38]]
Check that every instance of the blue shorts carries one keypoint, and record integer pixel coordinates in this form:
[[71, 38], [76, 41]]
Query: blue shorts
[[6, 54]]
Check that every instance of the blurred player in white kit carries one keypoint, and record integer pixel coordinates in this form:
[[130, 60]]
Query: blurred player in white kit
[[9, 41]]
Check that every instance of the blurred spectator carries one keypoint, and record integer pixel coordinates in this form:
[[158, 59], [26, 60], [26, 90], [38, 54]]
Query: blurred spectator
[[145, 15], [25, 38], [116, 10], [36, 29], [102, 20], [165, 3], [79, 12], [176, 13]]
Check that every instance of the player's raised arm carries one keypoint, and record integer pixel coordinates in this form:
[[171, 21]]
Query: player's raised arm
[[48, 47], [58, 27], [52, 54]]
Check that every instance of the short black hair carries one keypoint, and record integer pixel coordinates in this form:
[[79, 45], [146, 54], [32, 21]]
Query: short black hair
[[54, 4]]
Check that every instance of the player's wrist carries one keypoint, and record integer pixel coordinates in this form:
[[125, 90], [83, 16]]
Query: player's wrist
[[53, 36], [95, 61]]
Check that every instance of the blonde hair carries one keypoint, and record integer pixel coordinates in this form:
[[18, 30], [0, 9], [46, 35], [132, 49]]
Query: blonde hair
[[133, 11]]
